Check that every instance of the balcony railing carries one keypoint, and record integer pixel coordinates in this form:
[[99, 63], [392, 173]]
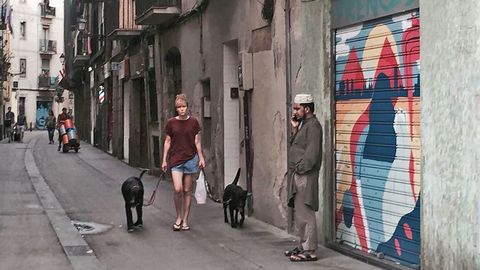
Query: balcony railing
[[47, 11], [45, 81], [120, 22], [48, 46], [152, 12]]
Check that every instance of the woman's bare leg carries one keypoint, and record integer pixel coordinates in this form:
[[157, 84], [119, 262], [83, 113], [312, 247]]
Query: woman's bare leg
[[187, 197], [178, 188]]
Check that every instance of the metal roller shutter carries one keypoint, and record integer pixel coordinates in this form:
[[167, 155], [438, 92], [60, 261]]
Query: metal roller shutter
[[377, 137]]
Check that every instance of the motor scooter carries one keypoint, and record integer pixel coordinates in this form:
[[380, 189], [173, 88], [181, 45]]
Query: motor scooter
[[15, 134]]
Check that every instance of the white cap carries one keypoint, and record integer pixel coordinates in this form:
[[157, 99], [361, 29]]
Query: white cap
[[303, 98]]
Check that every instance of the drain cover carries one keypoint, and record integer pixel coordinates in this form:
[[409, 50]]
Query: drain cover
[[90, 227], [83, 228], [78, 251]]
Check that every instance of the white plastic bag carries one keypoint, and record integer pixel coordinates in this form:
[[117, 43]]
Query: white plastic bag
[[200, 190]]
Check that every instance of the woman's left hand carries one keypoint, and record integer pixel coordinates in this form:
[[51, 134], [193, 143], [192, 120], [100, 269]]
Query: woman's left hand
[[201, 163]]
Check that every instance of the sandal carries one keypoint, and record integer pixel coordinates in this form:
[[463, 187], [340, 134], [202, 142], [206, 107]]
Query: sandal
[[294, 251], [177, 227], [185, 228], [303, 256]]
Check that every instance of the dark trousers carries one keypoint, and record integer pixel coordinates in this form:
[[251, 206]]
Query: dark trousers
[[51, 132]]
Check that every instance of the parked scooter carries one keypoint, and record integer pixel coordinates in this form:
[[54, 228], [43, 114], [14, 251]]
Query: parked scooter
[[15, 134]]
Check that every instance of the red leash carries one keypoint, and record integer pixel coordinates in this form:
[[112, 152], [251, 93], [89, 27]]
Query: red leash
[[152, 198]]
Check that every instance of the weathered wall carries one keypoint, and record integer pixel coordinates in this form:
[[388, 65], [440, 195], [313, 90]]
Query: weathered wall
[[268, 113], [450, 134], [314, 76]]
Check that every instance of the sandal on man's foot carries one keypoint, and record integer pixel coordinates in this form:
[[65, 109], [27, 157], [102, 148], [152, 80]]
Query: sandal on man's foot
[[177, 227], [303, 256], [185, 228], [294, 251]]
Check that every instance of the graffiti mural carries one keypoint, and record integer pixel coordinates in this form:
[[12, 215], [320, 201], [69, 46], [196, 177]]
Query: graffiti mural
[[378, 137], [43, 107]]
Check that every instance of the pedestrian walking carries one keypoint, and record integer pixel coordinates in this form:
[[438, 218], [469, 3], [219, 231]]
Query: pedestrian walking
[[9, 121], [51, 122], [182, 154], [60, 121], [21, 122], [305, 159]]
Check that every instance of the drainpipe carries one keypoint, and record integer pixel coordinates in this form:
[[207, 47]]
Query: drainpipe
[[288, 67]]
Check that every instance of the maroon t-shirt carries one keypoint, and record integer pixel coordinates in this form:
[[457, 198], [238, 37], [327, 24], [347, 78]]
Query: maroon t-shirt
[[182, 144]]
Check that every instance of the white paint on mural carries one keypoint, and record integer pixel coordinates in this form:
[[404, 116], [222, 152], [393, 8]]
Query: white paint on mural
[[398, 197], [342, 49]]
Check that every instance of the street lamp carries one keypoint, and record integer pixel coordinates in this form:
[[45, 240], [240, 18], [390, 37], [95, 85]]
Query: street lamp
[[59, 93]]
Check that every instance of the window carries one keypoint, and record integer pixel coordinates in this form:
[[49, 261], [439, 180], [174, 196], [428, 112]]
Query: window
[[21, 106], [45, 30], [23, 67], [45, 67], [23, 29]]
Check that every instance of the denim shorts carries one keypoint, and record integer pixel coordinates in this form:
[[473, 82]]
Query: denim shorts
[[189, 167]]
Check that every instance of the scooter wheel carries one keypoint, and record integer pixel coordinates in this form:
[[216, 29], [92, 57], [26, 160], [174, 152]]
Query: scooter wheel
[[76, 149], [65, 149]]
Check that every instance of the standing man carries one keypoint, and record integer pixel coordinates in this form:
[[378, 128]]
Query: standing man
[[21, 122], [9, 120], [60, 121], [305, 159]]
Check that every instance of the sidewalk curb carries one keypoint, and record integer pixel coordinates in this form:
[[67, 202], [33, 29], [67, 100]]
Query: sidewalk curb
[[77, 250]]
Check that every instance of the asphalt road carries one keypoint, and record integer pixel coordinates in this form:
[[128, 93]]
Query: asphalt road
[[42, 191]]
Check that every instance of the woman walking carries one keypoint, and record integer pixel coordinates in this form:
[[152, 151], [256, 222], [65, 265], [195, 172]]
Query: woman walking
[[182, 153], [51, 121]]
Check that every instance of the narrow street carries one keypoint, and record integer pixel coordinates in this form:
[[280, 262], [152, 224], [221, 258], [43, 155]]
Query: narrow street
[[37, 232]]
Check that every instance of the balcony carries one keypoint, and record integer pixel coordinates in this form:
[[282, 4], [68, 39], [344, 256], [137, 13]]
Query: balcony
[[120, 22], [46, 11], [153, 12], [81, 55], [48, 47], [44, 81]]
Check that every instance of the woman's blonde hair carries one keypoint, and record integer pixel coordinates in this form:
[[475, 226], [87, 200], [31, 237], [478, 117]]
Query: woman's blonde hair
[[181, 97]]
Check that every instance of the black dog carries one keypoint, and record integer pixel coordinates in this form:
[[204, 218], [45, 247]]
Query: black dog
[[234, 197], [132, 190]]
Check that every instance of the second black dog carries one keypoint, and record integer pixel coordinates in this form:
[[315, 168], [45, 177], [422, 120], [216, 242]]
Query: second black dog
[[132, 190], [234, 197]]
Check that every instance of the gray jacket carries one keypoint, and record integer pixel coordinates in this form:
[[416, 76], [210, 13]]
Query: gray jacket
[[305, 158]]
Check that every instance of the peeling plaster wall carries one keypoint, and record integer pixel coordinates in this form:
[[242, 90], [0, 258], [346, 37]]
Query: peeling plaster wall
[[268, 115], [450, 121], [313, 75]]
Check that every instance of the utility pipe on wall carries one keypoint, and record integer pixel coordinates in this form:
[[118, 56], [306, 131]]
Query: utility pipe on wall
[[288, 84]]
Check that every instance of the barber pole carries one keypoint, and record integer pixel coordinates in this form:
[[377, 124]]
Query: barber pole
[[101, 95]]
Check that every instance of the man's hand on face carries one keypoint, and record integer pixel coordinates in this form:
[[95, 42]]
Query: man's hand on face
[[295, 123]]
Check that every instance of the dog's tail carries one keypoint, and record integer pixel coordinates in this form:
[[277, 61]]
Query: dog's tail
[[143, 172], [235, 182]]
